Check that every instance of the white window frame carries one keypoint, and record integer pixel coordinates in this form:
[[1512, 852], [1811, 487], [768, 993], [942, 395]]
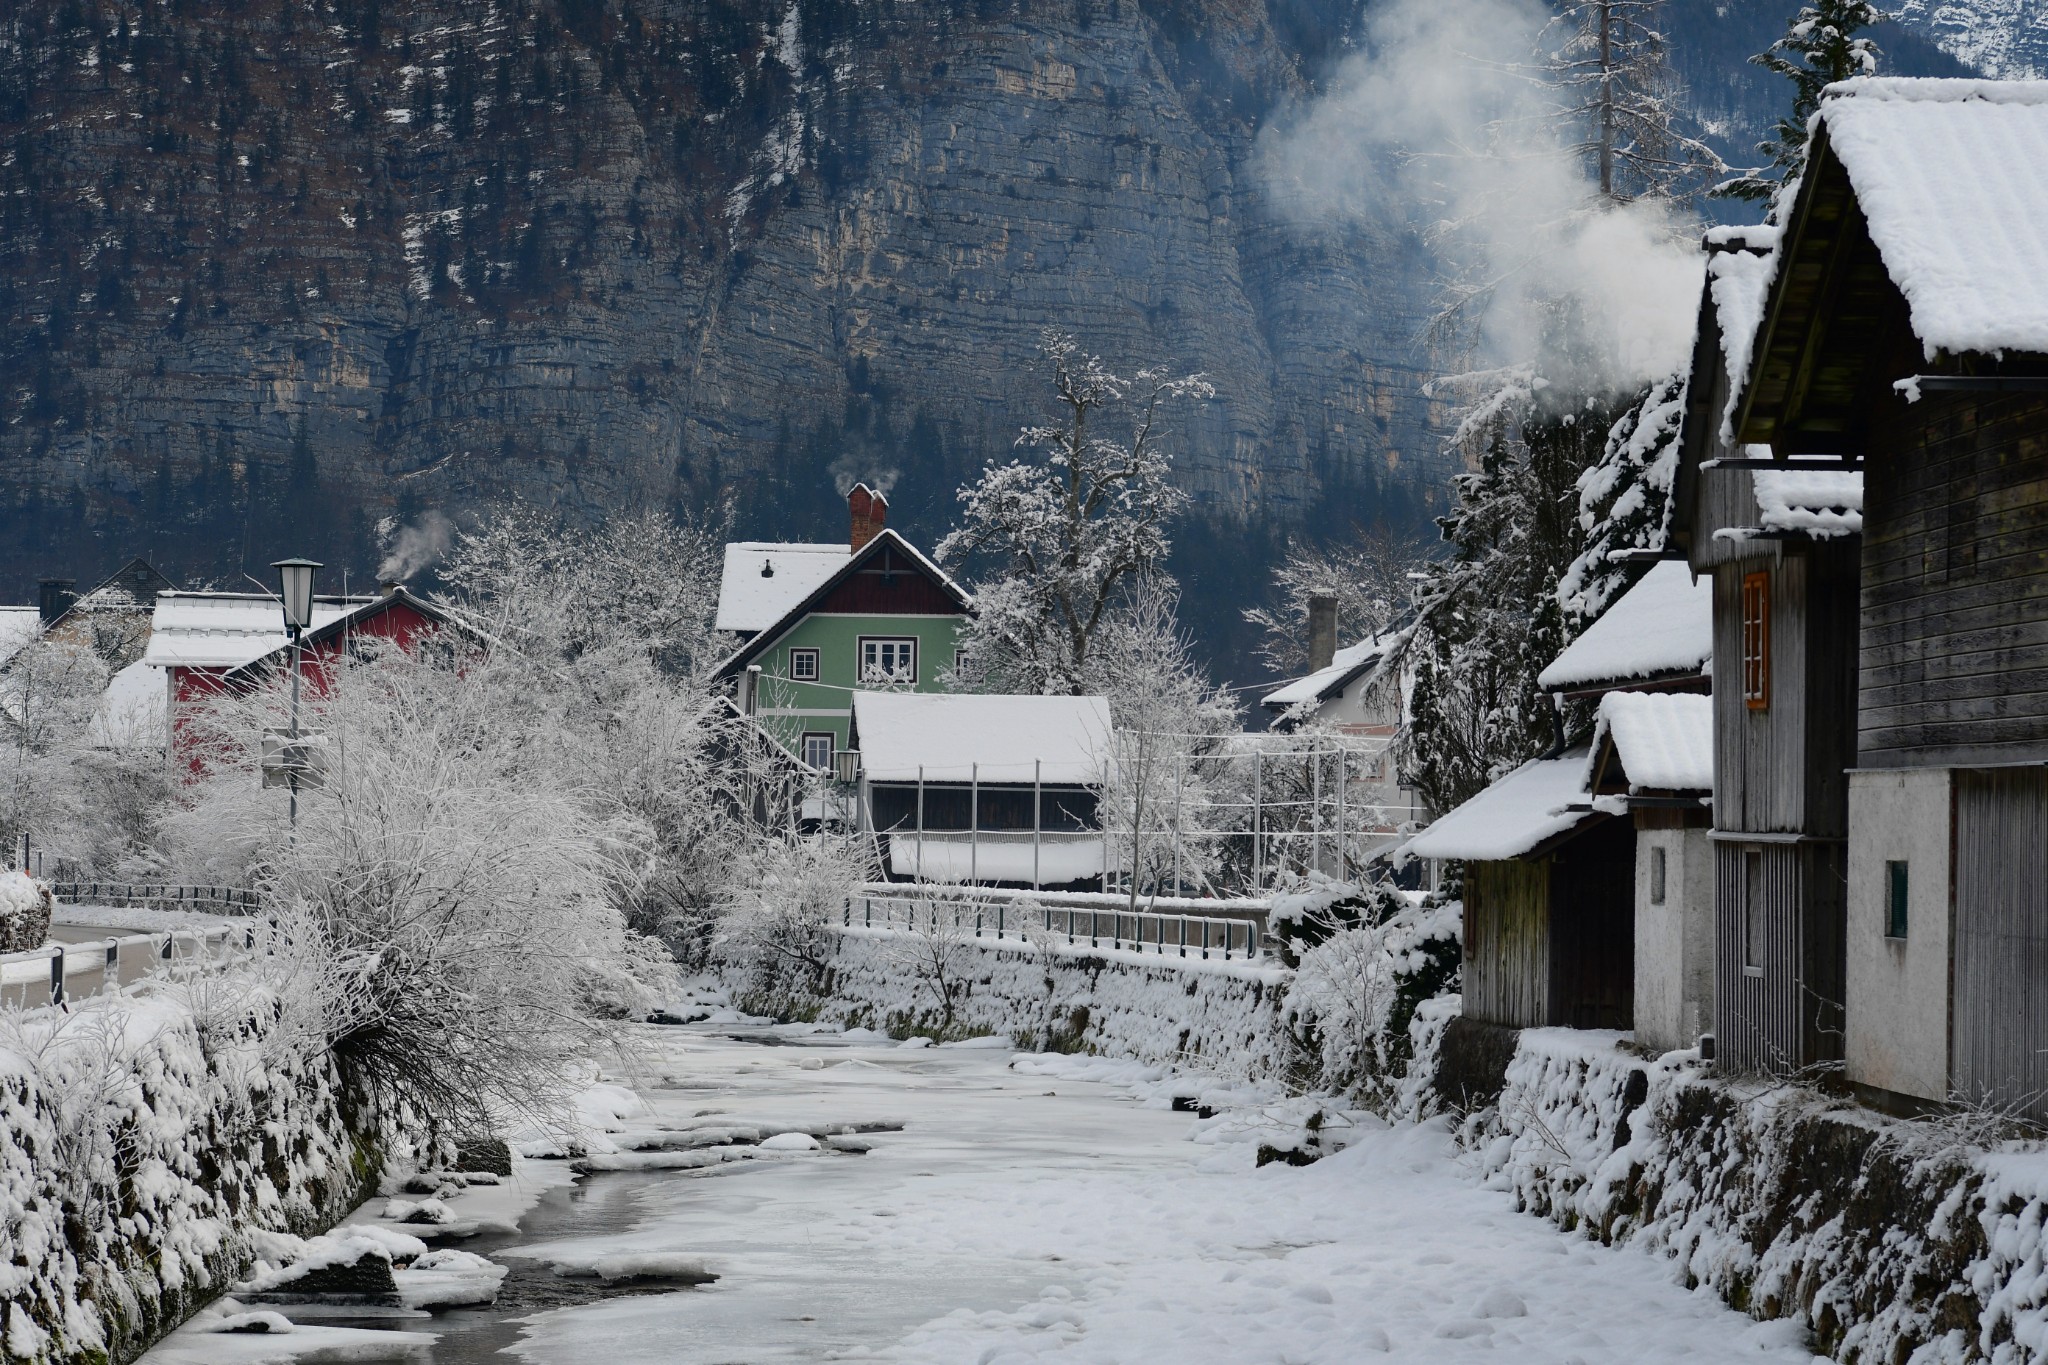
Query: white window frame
[[831, 748], [869, 674], [796, 675]]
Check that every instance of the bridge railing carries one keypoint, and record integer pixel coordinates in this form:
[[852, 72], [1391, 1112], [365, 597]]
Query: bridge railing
[[1230, 931], [59, 973], [227, 900]]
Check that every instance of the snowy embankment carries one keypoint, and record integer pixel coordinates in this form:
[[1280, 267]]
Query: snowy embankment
[[1892, 1239], [1162, 1009], [143, 1143]]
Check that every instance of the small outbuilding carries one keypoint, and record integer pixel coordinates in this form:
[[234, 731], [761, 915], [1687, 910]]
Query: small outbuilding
[[990, 790]]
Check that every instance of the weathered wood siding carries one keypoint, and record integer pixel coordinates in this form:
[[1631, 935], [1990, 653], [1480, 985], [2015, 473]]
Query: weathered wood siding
[[1507, 943], [1999, 1033], [1778, 1002], [1724, 498], [1782, 769], [1954, 643]]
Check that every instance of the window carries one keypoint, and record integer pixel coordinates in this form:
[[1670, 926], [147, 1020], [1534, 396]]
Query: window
[[803, 665], [1753, 913], [1656, 876], [888, 659], [1756, 641], [818, 751], [1895, 900]]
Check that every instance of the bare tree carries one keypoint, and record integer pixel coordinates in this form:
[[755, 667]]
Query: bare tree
[[1067, 537], [1615, 69], [1368, 574]]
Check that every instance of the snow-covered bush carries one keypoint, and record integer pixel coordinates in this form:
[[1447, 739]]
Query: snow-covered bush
[[444, 917], [25, 908], [776, 930], [1368, 958]]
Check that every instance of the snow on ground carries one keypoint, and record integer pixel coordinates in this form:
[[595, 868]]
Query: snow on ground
[[1032, 1212]]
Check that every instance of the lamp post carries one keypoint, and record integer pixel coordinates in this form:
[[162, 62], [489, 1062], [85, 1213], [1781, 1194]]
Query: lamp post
[[295, 587]]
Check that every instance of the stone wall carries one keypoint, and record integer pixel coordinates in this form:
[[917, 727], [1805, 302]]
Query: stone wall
[[140, 1143]]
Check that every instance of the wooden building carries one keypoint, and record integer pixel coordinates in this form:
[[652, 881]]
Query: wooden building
[[1780, 543], [1906, 328]]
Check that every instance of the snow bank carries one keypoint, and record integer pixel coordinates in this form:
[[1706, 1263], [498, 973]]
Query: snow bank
[[1889, 1239], [140, 1159]]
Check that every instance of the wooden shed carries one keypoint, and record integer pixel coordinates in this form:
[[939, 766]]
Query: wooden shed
[[1906, 330], [1549, 900]]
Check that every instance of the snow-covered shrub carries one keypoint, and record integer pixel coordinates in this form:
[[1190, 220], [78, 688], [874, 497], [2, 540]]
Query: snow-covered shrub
[[25, 907], [937, 951], [1368, 957], [780, 910], [444, 918]]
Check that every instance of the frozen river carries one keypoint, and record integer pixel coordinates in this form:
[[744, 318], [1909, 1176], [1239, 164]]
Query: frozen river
[[1021, 1216]]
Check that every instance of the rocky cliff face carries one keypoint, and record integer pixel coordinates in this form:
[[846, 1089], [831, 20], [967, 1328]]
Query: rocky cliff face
[[273, 270]]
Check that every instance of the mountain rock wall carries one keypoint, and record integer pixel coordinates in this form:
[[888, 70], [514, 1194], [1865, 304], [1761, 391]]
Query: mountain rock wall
[[271, 272]]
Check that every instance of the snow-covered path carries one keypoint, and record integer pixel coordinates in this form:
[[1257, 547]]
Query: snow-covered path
[[1020, 1217]]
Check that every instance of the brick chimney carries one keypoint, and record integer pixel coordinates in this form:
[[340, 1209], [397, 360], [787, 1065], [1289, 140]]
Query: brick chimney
[[870, 512], [55, 598], [1322, 632]]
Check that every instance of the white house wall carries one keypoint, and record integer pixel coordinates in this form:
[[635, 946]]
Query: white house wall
[[1674, 976], [1898, 1005]]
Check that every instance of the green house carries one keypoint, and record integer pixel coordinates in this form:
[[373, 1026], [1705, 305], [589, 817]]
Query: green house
[[823, 620]]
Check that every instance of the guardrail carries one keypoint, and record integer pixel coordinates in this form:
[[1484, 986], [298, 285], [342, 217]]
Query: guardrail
[[61, 972], [229, 899], [1100, 921]]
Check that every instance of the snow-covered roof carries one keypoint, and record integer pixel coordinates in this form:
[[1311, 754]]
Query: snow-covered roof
[[1663, 626], [18, 626], [1513, 816], [1819, 502], [1665, 740], [226, 629], [763, 580], [132, 711], [1949, 174], [1345, 665], [1739, 282], [1063, 739]]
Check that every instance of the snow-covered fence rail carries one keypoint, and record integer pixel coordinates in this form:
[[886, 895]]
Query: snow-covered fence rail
[[1228, 930], [231, 900], [62, 972]]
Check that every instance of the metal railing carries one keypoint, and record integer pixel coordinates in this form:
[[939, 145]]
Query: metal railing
[[58, 973], [228, 899], [1098, 921]]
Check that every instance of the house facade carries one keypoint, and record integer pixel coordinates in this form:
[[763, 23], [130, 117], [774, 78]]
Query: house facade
[[1903, 333], [824, 621], [1355, 693]]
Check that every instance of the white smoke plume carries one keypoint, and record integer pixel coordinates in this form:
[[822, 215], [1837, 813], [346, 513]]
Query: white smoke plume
[[416, 546], [1440, 125]]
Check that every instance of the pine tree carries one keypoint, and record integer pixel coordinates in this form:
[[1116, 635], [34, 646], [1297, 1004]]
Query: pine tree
[[1615, 68], [1624, 502], [1819, 48]]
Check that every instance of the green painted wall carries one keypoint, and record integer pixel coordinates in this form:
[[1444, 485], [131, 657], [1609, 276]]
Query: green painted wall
[[827, 707]]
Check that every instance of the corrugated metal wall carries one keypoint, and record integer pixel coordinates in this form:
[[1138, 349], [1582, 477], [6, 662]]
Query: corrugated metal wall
[[1779, 954]]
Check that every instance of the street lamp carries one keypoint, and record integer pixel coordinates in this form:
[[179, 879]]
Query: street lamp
[[295, 587]]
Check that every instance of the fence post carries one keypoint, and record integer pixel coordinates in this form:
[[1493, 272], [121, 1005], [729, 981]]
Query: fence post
[[57, 976], [1258, 820], [1183, 935]]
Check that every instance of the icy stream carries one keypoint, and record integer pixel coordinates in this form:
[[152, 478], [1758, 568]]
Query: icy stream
[[1036, 1212]]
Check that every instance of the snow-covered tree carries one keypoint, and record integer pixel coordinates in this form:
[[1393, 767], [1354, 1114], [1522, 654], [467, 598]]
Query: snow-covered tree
[[781, 908], [1613, 64], [1066, 536], [1489, 615], [1624, 502], [1367, 574], [1823, 44]]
